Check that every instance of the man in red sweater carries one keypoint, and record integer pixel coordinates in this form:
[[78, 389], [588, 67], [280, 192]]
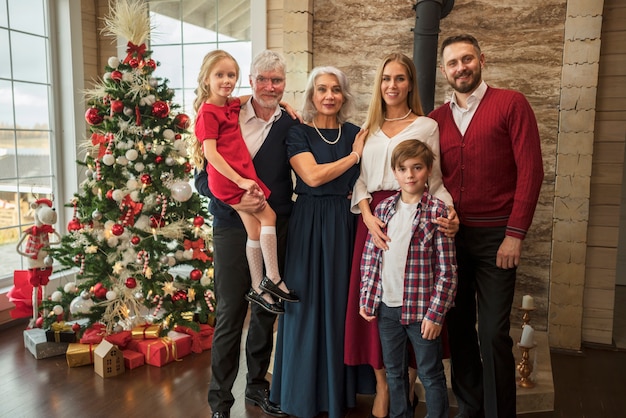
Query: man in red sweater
[[492, 165]]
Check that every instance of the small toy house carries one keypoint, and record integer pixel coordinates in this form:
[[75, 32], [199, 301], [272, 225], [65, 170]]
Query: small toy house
[[108, 360]]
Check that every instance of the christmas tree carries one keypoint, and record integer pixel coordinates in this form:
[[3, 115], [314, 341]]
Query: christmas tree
[[138, 240]]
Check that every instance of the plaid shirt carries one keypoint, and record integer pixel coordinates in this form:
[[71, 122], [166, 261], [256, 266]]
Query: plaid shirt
[[430, 274]]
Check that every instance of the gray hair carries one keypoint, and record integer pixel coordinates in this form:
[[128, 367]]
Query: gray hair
[[309, 111], [267, 61]]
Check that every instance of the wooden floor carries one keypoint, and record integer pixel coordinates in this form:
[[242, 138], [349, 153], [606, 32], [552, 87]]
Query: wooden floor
[[590, 384]]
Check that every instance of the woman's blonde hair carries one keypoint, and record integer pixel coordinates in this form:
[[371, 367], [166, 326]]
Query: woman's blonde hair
[[203, 92], [377, 108]]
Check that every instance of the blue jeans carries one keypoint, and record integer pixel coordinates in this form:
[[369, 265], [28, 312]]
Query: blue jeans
[[428, 353]]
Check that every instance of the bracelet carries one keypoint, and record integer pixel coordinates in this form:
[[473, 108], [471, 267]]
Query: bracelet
[[358, 159]]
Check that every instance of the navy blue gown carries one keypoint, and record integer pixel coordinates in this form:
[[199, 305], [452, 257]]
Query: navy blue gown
[[309, 373]]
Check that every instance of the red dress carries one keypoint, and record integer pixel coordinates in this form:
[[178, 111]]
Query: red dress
[[222, 124]]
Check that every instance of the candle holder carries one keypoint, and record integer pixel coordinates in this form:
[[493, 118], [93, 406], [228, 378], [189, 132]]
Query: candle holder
[[526, 315], [525, 368]]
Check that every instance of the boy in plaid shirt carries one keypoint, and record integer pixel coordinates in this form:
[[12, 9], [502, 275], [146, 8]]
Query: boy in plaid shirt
[[409, 282]]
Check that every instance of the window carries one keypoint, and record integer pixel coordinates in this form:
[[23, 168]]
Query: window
[[186, 30], [26, 134]]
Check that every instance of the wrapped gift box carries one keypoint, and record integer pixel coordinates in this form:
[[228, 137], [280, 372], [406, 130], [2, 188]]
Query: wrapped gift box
[[80, 354], [146, 332], [35, 342], [200, 340], [133, 359], [161, 351], [61, 332], [94, 334]]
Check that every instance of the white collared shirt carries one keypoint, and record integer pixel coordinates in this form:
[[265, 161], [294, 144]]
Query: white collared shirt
[[463, 116], [254, 129]]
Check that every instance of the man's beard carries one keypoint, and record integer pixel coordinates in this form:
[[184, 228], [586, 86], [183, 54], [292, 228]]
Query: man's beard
[[469, 86]]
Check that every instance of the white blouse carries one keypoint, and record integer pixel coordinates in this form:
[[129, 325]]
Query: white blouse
[[376, 173]]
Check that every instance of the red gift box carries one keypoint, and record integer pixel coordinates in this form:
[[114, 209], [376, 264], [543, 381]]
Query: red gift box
[[200, 340], [94, 334], [133, 359], [161, 351]]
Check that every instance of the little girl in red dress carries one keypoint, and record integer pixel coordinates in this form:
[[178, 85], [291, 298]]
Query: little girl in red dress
[[231, 174]]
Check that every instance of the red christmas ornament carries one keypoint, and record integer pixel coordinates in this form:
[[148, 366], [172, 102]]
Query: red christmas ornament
[[133, 62], [117, 106], [188, 167], [158, 159], [75, 327], [74, 225], [93, 117], [135, 240], [117, 229], [99, 291], [131, 283], [195, 274], [160, 109], [182, 121], [151, 63], [198, 221], [39, 322], [179, 295], [177, 136], [109, 194], [157, 222], [146, 179], [116, 75]]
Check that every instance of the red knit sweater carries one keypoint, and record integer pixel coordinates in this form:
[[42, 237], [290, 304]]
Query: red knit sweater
[[493, 172]]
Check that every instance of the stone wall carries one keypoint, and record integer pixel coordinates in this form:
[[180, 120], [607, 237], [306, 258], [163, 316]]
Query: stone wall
[[523, 44]]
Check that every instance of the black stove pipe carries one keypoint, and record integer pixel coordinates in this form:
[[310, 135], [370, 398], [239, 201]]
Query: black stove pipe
[[428, 13]]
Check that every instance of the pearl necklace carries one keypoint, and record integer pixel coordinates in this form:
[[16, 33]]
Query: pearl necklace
[[400, 118], [326, 140]]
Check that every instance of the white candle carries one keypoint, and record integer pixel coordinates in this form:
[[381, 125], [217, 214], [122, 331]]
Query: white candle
[[528, 302], [527, 339]]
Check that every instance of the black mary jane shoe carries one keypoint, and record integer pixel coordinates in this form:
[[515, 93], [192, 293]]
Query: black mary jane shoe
[[274, 290], [254, 297]]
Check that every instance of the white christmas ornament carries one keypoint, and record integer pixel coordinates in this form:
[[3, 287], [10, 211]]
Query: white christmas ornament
[[121, 160], [70, 287], [129, 111], [169, 134], [111, 295], [132, 184], [108, 159], [57, 310], [181, 191], [113, 62], [132, 154], [56, 296], [80, 305], [140, 166], [143, 222], [127, 77], [117, 195]]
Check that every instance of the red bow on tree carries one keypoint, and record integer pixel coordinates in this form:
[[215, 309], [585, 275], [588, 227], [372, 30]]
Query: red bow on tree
[[198, 249], [134, 50], [102, 140]]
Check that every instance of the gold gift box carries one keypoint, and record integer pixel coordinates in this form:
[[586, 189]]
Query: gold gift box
[[146, 332], [80, 354]]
